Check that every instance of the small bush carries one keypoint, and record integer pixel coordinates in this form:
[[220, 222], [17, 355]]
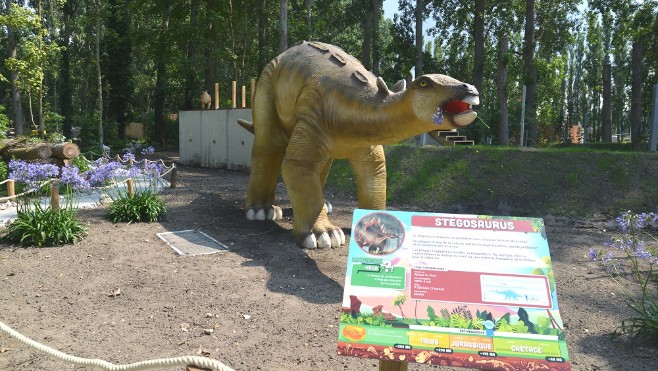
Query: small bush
[[43, 226], [144, 206], [631, 262]]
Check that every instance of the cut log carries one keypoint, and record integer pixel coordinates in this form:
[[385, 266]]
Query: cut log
[[38, 152], [65, 151]]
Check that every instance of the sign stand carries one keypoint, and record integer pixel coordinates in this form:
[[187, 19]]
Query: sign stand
[[393, 366]]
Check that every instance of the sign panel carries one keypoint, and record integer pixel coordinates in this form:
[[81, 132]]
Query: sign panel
[[454, 290]]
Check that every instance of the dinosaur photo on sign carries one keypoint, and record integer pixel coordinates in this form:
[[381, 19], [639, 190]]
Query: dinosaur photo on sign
[[315, 103]]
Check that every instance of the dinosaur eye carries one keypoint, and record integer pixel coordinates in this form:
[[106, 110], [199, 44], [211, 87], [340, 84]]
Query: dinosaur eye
[[423, 83]]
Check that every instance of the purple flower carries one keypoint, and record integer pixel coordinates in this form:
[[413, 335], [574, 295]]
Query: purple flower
[[31, 174], [593, 254], [437, 118], [153, 169], [148, 150], [72, 178], [103, 173], [128, 156]]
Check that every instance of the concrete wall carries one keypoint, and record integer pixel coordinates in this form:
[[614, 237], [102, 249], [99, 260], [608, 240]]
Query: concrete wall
[[213, 138]]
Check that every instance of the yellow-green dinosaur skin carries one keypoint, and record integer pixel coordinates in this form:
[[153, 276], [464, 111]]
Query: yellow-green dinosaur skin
[[313, 104]]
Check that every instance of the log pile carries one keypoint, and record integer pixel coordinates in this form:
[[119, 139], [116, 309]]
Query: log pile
[[59, 154]]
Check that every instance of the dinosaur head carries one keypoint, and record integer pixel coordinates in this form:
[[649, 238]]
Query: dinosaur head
[[443, 101]]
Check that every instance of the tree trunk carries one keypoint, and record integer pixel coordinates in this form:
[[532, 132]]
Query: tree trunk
[[38, 152], [65, 102], [191, 83], [607, 103], [503, 116], [376, 8], [418, 69], [283, 25], [478, 41], [99, 76], [309, 18], [65, 150], [161, 78], [262, 35], [530, 73], [636, 95], [367, 36], [17, 107]]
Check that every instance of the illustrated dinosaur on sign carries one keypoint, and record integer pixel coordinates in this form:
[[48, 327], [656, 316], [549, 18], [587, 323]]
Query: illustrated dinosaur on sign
[[315, 103]]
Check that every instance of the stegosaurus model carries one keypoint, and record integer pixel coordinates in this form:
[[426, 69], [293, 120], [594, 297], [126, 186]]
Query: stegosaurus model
[[315, 103], [373, 236]]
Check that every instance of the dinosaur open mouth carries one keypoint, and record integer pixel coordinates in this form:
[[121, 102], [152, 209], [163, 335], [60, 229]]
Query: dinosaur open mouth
[[459, 111]]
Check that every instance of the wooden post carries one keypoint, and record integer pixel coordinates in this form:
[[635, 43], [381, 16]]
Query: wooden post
[[11, 190], [174, 174], [54, 194], [131, 187], [393, 366], [244, 96], [234, 94], [253, 92], [216, 95]]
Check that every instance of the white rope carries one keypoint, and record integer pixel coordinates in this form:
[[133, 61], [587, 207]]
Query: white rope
[[197, 361]]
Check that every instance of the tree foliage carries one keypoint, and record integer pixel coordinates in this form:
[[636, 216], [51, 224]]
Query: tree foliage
[[158, 56]]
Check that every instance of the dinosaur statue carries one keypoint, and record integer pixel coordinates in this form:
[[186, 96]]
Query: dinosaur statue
[[315, 103]]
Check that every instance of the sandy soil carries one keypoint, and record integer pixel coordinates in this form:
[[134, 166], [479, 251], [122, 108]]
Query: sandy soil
[[270, 304]]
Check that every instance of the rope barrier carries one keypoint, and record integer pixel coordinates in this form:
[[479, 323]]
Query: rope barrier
[[197, 361]]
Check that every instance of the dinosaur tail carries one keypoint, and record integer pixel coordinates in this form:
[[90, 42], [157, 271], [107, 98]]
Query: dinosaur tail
[[247, 125]]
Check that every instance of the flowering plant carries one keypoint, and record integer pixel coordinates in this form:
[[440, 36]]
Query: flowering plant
[[631, 261], [39, 224]]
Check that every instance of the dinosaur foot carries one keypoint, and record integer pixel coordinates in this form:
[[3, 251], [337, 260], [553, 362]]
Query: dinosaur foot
[[331, 238], [268, 213]]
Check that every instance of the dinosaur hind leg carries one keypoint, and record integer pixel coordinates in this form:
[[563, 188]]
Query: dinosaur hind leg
[[267, 154]]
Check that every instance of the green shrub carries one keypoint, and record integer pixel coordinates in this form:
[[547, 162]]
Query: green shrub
[[631, 262], [144, 206], [44, 226]]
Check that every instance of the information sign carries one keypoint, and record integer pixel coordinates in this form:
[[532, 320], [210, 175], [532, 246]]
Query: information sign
[[455, 290]]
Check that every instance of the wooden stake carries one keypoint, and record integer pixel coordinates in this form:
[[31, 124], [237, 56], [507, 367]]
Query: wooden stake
[[392, 366], [253, 92], [174, 174], [244, 96], [216, 95], [11, 190], [234, 94], [54, 194], [131, 187]]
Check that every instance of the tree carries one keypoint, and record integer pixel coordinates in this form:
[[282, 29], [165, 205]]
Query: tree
[[17, 108], [283, 25], [117, 65], [478, 43], [420, 7], [503, 115], [530, 78]]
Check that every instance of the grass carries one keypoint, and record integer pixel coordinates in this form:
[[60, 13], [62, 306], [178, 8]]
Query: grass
[[577, 181]]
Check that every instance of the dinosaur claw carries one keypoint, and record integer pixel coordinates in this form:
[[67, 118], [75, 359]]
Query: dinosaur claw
[[268, 213], [329, 207], [324, 240], [310, 242], [336, 238]]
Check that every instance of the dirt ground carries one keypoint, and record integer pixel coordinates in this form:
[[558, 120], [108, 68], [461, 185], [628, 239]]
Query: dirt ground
[[270, 304]]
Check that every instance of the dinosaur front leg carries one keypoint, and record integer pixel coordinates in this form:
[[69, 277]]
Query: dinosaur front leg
[[369, 166], [304, 172]]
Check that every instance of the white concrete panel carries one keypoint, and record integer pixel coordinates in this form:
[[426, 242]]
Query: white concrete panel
[[189, 134], [213, 139], [240, 140]]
